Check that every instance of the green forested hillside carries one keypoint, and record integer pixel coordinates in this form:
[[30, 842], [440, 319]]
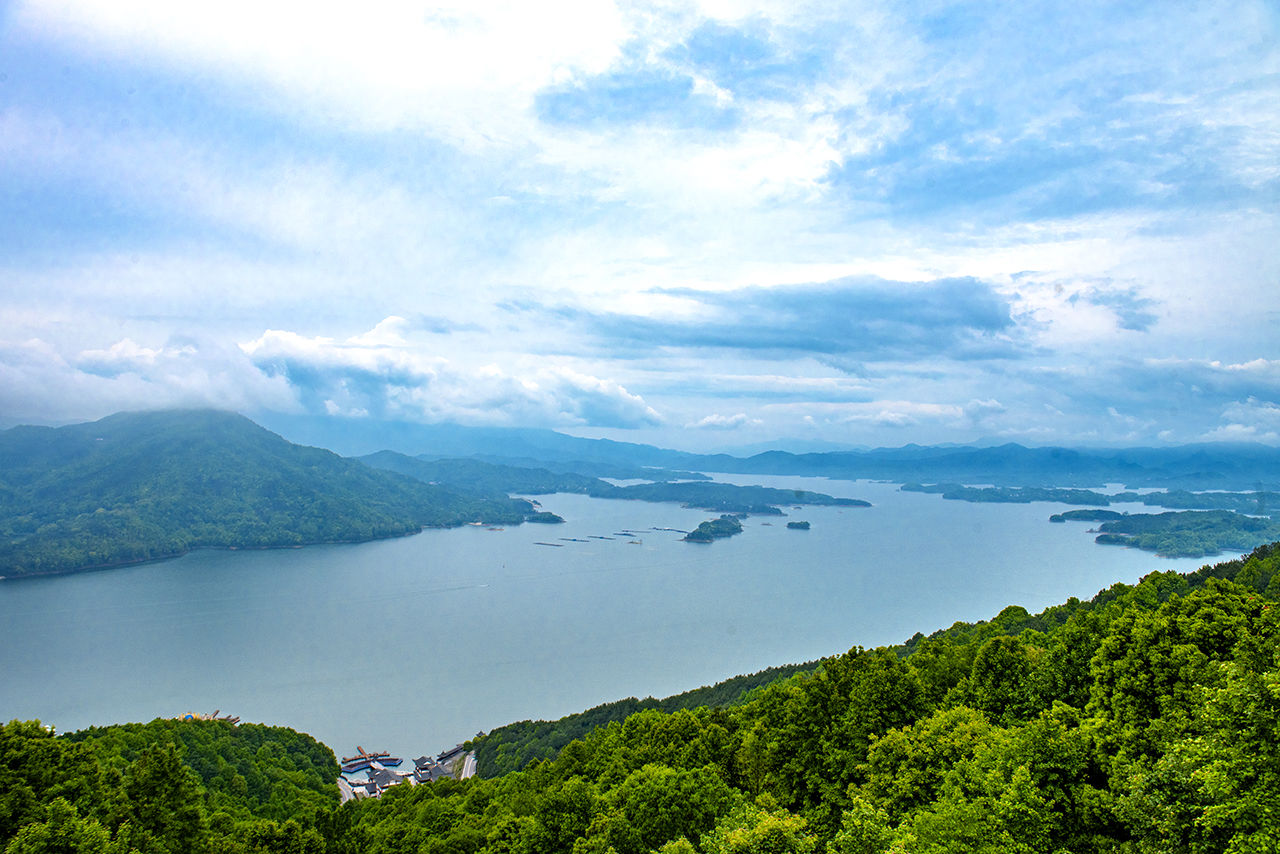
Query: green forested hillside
[[1146, 719], [512, 747], [138, 486], [164, 787]]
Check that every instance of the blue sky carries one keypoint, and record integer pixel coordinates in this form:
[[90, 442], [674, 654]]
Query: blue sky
[[696, 224]]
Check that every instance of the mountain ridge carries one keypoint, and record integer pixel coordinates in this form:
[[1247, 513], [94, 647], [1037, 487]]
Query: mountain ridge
[[1196, 466]]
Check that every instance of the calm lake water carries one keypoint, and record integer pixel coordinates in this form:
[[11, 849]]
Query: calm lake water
[[414, 644]]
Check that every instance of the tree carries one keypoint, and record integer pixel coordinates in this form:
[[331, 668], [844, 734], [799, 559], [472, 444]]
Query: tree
[[864, 829], [656, 804], [163, 802], [998, 683], [760, 829], [906, 767], [63, 832]]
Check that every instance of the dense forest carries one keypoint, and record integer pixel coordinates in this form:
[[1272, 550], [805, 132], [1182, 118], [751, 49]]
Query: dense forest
[[140, 486], [512, 747], [1146, 719]]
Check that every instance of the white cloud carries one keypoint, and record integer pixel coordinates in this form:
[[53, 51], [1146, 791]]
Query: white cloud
[[381, 374], [979, 410], [458, 69], [716, 421], [1251, 420], [43, 383], [1242, 433]]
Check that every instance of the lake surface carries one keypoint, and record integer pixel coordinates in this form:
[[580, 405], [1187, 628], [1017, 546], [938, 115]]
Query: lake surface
[[414, 644]]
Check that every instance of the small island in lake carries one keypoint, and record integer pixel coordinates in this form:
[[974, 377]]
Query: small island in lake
[[714, 529], [798, 526]]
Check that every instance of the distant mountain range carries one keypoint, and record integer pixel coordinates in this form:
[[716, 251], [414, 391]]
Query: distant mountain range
[[1203, 466], [1208, 466], [361, 436]]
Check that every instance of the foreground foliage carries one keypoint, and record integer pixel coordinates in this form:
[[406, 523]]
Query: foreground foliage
[[1144, 720]]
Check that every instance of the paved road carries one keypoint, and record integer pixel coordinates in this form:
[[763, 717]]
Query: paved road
[[468, 766]]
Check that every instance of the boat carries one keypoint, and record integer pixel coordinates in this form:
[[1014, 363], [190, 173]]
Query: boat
[[364, 759]]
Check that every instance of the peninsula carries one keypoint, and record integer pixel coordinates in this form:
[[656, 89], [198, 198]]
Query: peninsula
[[140, 486]]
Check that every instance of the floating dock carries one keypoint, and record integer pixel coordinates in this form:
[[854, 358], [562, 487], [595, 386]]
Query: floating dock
[[364, 759]]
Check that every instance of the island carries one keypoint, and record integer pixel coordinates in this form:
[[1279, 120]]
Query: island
[[714, 529], [798, 526], [1010, 494], [728, 497]]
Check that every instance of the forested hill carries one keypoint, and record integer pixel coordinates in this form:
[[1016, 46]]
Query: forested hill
[[140, 486], [1145, 720]]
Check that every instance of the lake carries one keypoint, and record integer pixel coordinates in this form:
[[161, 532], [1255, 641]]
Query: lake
[[414, 644]]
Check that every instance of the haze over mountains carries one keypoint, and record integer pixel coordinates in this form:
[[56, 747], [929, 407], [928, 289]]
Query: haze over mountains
[[1203, 466]]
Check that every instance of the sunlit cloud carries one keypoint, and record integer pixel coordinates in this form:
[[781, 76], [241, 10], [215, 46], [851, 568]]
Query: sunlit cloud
[[715, 421], [376, 374]]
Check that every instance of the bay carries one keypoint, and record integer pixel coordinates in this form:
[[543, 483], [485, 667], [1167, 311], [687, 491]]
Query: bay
[[414, 644]]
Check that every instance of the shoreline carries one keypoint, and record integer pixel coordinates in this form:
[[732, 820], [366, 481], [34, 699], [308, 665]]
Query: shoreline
[[101, 567]]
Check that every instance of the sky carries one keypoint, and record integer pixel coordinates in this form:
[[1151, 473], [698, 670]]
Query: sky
[[700, 224]]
